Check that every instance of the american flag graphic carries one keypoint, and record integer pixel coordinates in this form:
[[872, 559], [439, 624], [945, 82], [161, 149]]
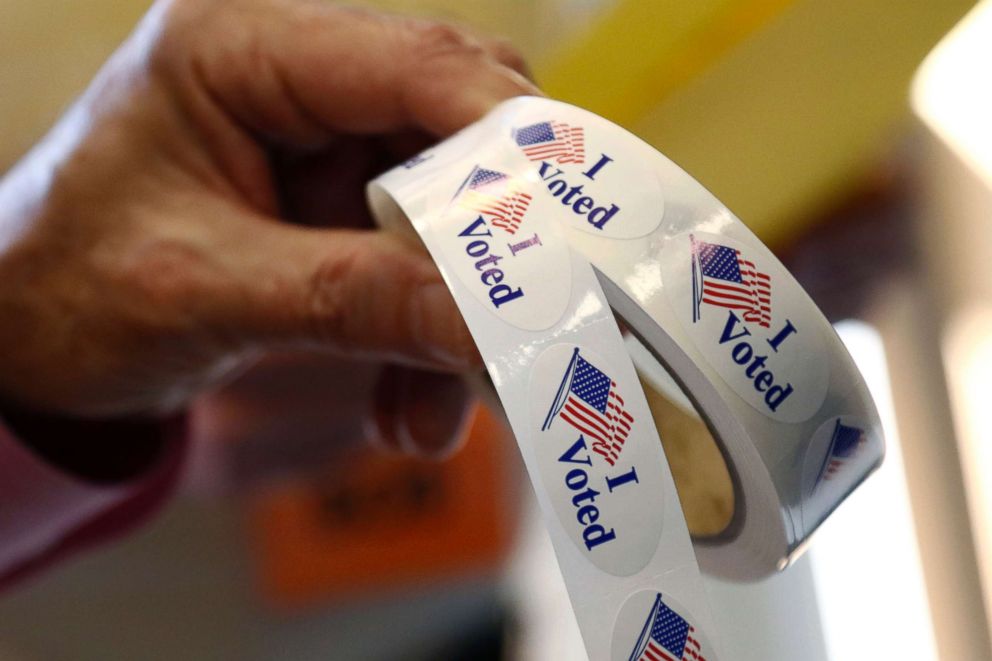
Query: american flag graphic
[[844, 444], [498, 196], [666, 636], [546, 141], [722, 277], [587, 399]]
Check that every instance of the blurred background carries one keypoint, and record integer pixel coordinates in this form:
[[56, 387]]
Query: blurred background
[[839, 130]]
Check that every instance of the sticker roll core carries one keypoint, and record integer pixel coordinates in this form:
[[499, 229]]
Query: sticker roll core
[[553, 228]]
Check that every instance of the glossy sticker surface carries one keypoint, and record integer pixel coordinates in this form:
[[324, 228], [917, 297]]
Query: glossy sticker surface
[[746, 316], [600, 188], [491, 237], [593, 454]]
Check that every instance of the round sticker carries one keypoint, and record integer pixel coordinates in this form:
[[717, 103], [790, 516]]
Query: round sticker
[[749, 320], [654, 627], [600, 464], [835, 445], [491, 237], [598, 182]]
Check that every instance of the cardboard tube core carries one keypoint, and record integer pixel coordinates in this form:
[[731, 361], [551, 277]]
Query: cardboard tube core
[[701, 475]]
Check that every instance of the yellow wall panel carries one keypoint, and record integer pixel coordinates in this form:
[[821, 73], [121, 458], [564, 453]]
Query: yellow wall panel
[[640, 51], [777, 107]]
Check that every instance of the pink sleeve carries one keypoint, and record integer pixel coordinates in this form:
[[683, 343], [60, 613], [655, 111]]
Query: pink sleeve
[[47, 513]]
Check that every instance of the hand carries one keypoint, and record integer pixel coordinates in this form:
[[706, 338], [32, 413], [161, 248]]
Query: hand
[[202, 205]]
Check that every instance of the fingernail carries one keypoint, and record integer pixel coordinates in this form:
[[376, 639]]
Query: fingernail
[[443, 334], [512, 85], [382, 427], [435, 413], [525, 82]]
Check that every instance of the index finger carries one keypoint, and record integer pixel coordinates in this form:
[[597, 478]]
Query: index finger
[[299, 70]]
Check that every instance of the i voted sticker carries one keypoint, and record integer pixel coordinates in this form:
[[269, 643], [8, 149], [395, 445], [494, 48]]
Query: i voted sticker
[[599, 183], [655, 627], [490, 236], [835, 447], [749, 320], [830, 465], [592, 449]]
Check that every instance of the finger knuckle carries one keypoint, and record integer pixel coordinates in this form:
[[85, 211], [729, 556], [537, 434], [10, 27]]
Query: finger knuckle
[[507, 53], [326, 307], [439, 39], [178, 30], [165, 273]]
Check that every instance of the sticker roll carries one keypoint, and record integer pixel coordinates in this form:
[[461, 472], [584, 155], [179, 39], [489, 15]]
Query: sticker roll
[[549, 224]]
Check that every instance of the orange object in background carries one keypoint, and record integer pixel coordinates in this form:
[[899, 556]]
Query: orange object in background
[[373, 521]]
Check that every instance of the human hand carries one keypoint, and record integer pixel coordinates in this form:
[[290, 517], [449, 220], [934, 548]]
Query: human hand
[[144, 250]]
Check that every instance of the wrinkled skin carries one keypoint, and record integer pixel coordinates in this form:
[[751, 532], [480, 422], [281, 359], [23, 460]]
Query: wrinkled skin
[[201, 207]]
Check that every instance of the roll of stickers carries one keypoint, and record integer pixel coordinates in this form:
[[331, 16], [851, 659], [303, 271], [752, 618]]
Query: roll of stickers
[[550, 224]]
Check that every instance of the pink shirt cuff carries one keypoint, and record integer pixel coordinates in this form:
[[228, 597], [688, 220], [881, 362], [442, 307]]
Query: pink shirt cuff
[[46, 513]]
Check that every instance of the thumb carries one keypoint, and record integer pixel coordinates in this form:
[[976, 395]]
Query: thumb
[[356, 292]]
